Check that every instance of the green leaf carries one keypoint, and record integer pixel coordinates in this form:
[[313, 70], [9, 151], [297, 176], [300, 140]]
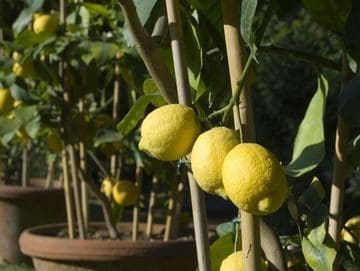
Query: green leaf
[[317, 235], [96, 8], [99, 51], [26, 114], [33, 126], [150, 87], [220, 249], [330, 13], [26, 15], [349, 108], [106, 136], [8, 125], [29, 39], [319, 257], [309, 147], [135, 114], [225, 228], [248, 8]]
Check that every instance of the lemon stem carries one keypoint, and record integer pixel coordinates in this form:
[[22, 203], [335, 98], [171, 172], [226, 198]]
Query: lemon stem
[[339, 172], [184, 95]]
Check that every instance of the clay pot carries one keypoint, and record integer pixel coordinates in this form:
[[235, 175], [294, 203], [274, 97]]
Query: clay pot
[[62, 254], [21, 208]]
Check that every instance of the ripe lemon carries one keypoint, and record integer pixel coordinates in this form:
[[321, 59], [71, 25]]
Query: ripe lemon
[[351, 232], [45, 23], [6, 101], [254, 179], [125, 193], [54, 141], [234, 262], [107, 186], [207, 157], [168, 133]]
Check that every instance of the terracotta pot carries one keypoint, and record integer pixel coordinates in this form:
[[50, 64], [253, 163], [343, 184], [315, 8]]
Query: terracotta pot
[[62, 254], [21, 208]]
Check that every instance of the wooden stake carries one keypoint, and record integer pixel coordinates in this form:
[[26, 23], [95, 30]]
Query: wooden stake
[[139, 178], [184, 95], [50, 173], [25, 163], [152, 201], [68, 198], [171, 207]]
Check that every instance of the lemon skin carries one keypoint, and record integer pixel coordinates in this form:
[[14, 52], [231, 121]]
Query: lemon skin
[[45, 23], [168, 133], [125, 193], [207, 157], [54, 141], [107, 187], [254, 179], [351, 232], [6, 101], [234, 262]]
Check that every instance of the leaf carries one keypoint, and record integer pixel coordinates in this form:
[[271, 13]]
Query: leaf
[[96, 8], [248, 8], [225, 228], [317, 235], [220, 249], [26, 15], [352, 32], [349, 108], [8, 125], [131, 119], [106, 136], [99, 51], [26, 114], [28, 38], [309, 147], [33, 126], [329, 13], [319, 257], [150, 87]]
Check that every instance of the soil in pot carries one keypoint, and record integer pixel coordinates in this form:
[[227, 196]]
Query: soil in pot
[[52, 252], [21, 208]]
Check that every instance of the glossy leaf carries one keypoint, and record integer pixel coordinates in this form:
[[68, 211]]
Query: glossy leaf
[[8, 125], [309, 147], [26, 114], [96, 8], [248, 8], [330, 13], [26, 15], [135, 114], [349, 102], [220, 249], [99, 51], [106, 136], [319, 256]]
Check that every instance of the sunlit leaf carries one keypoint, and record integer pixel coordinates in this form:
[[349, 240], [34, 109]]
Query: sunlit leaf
[[309, 147], [248, 8], [319, 257], [220, 249], [106, 136], [96, 8]]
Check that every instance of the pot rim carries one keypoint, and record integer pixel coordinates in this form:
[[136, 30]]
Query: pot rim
[[33, 243]]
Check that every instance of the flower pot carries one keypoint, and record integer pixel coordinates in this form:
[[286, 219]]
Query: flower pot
[[59, 254], [21, 208]]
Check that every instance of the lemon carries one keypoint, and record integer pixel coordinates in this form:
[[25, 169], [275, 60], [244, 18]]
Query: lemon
[[254, 179], [45, 23], [54, 141], [168, 133], [207, 157], [107, 186], [351, 232], [25, 69], [18, 103], [234, 262], [125, 193], [6, 101]]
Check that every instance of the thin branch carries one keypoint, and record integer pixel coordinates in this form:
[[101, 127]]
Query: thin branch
[[149, 52], [98, 163], [303, 56]]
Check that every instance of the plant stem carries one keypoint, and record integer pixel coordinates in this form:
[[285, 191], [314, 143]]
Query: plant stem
[[339, 173], [105, 204], [98, 163], [25, 163], [76, 186], [138, 182], [171, 206], [302, 56], [152, 201], [149, 52], [50, 173], [68, 198], [184, 95], [179, 204]]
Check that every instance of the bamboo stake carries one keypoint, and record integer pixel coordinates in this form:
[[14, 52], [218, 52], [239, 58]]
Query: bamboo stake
[[183, 88], [25, 164], [50, 173], [139, 178], [171, 207], [244, 122], [152, 202], [178, 207], [68, 199], [339, 173], [77, 195]]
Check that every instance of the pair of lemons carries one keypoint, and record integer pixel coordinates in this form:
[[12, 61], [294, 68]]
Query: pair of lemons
[[124, 193], [248, 174]]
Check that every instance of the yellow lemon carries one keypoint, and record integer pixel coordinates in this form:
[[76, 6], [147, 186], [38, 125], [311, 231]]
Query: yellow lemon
[[6, 101], [253, 179], [45, 23], [107, 186], [54, 141], [351, 232], [207, 157], [168, 133], [234, 262], [125, 193], [18, 103], [25, 69]]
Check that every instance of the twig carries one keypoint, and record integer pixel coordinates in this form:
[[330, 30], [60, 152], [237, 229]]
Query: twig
[[98, 163], [149, 52], [184, 95], [303, 56]]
